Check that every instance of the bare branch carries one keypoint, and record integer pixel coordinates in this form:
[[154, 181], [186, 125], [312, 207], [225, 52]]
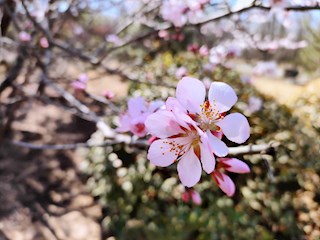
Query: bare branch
[[125, 139]]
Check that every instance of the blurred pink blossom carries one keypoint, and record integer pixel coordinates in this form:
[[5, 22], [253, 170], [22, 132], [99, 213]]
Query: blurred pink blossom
[[188, 128], [44, 42], [178, 36], [193, 47], [24, 36], [77, 85], [81, 82], [174, 12], [164, 34], [223, 52], [178, 12], [181, 72], [134, 119], [266, 68], [203, 51], [223, 180], [254, 104]]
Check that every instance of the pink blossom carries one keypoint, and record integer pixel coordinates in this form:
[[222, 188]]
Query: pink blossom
[[265, 68], [188, 128], [221, 53], [178, 36], [83, 77], [254, 104], [164, 34], [181, 72], [193, 47], [44, 42], [174, 12], [138, 111], [24, 37], [203, 51], [246, 79], [77, 85], [81, 82], [223, 180]]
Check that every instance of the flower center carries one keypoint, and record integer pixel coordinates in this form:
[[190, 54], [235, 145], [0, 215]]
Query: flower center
[[180, 145], [209, 116]]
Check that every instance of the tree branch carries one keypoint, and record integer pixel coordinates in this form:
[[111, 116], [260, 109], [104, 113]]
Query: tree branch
[[267, 148]]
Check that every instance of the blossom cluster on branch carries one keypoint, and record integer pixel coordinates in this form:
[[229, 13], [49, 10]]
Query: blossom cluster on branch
[[189, 130]]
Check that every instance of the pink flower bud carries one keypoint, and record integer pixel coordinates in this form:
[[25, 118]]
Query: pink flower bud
[[77, 85], [83, 77], [185, 197], [163, 34], [193, 48], [24, 37], [44, 42], [196, 198], [108, 94]]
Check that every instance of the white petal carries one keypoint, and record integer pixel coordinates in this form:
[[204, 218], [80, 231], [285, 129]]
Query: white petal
[[159, 153], [180, 113], [235, 127], [222, 96], [218, 147], [191, 94], [189, 169], [162, 124], [207, 158]]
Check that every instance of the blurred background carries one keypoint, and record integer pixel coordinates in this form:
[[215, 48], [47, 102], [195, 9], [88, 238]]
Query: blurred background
[[67, 70]]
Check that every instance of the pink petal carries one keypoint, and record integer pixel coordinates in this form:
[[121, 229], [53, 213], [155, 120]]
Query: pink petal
[[189, 169], [191, 94], [235, 165], [225, 183], [159, 153], [218, 147], [136, 106], [124, 123], [235, 127], [196, 198], [162, 124], [207, 158], [222, 96], [155, 106]]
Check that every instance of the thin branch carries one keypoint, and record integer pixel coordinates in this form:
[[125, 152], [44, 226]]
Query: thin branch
[[125, 139], [14, 71]]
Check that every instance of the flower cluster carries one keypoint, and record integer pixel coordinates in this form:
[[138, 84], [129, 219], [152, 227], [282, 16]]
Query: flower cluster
[[81, 83], [138, 111], [190, 129], [178, 12]]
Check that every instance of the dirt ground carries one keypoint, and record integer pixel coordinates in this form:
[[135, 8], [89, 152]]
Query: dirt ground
[[43, 194]]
